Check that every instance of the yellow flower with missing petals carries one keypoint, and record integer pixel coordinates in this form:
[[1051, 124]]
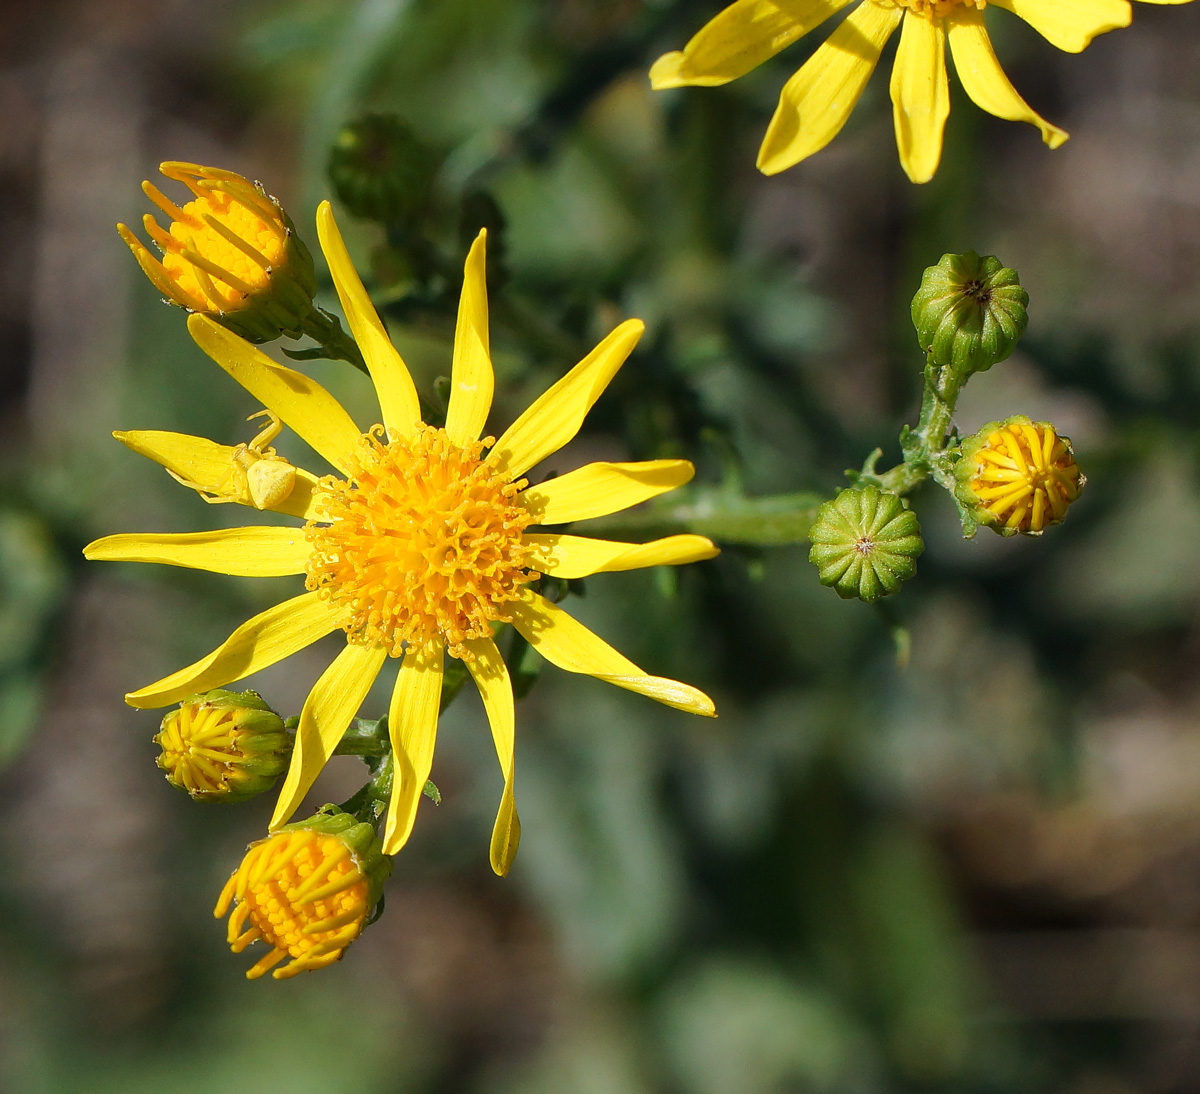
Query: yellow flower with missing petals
[[1018, 476], [230, 253], [419, 544], [307, 892], [816, 102]]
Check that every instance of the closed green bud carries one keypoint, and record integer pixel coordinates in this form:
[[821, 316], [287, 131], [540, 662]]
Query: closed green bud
[[223, 746], [1016, 476], [865, 543], [380, 170], [969, 312]]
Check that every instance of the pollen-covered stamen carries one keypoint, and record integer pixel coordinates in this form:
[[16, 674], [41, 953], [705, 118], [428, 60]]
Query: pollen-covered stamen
[[423, 540], [1026, 476], [304, 894]]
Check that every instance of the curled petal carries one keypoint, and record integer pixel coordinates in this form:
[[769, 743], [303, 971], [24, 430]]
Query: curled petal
[[412, 723], [597, 489], [920, 96], [577, 556], [333, 701], [553, 419], [983, 78], [238, 552], [258, 643], [567, 643], [738, 39], [471, 378]]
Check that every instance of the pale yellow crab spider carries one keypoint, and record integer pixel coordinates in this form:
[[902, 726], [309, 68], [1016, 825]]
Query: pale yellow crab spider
[[257, 476]]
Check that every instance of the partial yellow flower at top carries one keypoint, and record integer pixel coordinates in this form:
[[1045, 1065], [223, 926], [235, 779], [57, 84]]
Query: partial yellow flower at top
[[417, 547], [229, 253], [816, 102]]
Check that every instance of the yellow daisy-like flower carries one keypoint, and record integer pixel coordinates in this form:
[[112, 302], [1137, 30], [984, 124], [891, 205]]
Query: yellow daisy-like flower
[[417, 546], [816, 102]]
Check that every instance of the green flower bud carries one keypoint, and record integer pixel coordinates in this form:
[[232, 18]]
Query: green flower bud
[[969, 312], [865, 543], [307, 891], [223, 746], [1017, 476], [231, 253], [380, 170]]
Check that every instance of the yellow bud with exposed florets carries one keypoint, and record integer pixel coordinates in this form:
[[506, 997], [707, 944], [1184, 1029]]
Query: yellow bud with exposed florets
[[223, 746], [1017, 476], [307, 891], [230, 253]]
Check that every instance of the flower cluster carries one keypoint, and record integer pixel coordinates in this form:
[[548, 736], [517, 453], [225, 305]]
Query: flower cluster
[[422, 543]]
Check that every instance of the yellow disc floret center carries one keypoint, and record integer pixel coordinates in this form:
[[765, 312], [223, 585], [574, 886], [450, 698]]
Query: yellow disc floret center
[[200, 750], [1026, 476], [303, 894], [423, 540], [933, 8]]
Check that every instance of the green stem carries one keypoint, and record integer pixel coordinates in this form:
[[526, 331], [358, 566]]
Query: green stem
[[333, 342], [924, 447]]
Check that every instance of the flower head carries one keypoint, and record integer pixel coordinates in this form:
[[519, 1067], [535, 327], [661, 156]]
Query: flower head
[[1018, 476], [419, 544], [865, 543], [223, 746], [816, 102], [229, 253], [307, 891]]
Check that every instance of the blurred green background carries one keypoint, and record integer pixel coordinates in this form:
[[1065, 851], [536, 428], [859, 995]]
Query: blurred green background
[[978, 872]]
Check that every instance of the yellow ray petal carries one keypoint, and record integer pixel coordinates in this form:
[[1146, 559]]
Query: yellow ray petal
[[1070, 24], [412, 724], [333, 701], [597, 489], [259, 642], [239, 552], [567, 643], [207, 465], [577, 556], [816, 102], [491, 677], [555, 418], [739, 38], [984, 80], [298, 401], [393, 384], [471, 375], [920, 96]]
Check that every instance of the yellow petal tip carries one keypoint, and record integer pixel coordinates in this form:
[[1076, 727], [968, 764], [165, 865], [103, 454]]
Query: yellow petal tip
[[667, 71]]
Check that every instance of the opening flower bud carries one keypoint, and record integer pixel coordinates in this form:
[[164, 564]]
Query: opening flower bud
[[223, 746], [969, 312], [865, 543], [307, 891], [1017, 476], [230, 253]]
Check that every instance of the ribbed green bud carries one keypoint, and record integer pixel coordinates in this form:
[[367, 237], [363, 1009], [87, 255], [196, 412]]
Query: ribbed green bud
[[1016, 476], [969, 312], [223, 746], [865, 543], [380, 170]]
